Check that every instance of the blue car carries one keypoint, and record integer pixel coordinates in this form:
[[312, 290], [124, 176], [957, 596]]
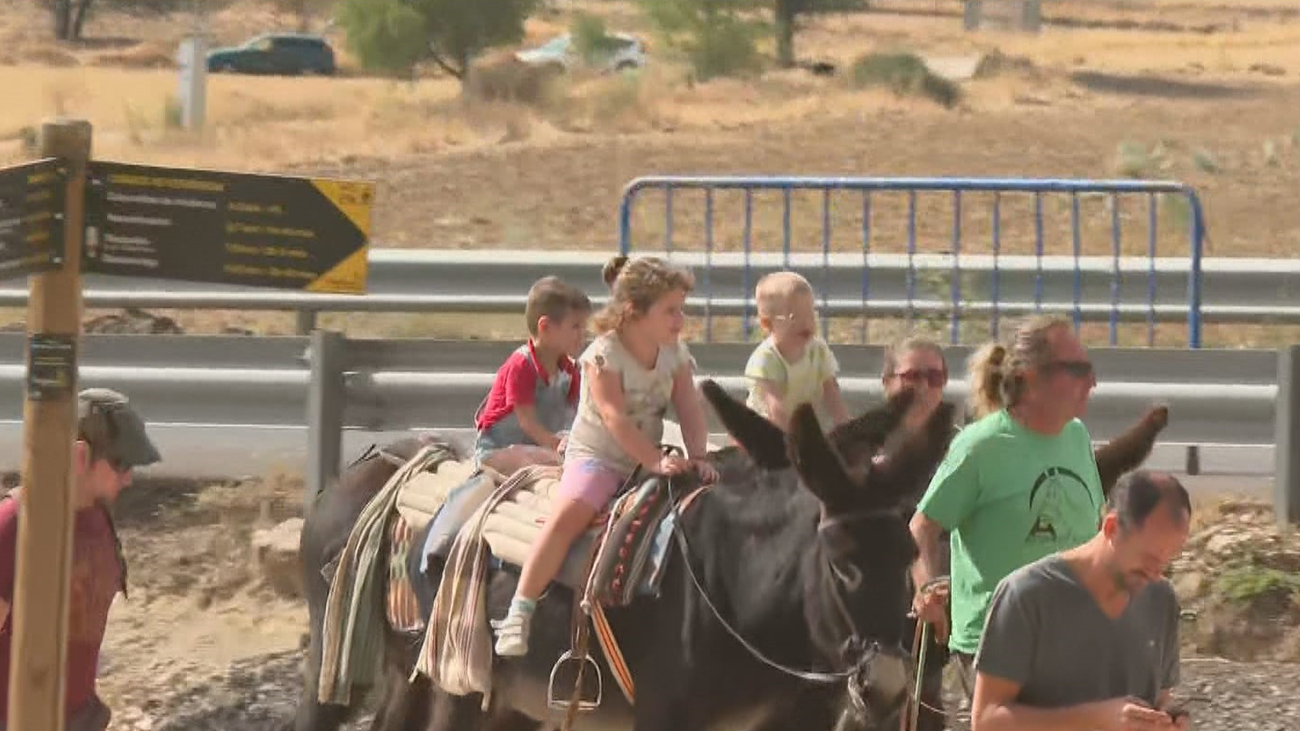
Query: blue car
[[275, 53]]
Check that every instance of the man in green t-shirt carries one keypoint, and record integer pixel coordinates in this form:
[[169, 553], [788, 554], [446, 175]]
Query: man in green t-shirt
[[1018, 484]]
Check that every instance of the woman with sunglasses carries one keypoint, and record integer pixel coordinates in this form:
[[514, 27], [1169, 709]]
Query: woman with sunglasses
[[1017, 484], [917, 363]]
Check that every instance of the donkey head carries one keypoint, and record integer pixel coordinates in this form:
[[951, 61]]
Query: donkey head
[[863, 537], [863, 531]]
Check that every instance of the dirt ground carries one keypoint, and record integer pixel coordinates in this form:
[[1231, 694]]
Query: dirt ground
[[1200, 91], [204, 641]]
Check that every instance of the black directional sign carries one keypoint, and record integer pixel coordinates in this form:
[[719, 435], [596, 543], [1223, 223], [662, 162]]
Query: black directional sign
[[31, 217], [233, 228]]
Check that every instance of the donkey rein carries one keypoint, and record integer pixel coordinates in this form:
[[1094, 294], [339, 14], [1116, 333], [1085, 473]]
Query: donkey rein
[[680, 535], [920, 645]]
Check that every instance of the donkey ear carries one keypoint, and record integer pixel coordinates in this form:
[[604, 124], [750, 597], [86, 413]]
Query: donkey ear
[[910, 457], [760, 438], [873, 427], [1129, 450], [820, 468]]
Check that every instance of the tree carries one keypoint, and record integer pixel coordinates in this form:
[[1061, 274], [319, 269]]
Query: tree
[[70, 18], [304, 10], [395, 35], [786, 13], [716, 35]]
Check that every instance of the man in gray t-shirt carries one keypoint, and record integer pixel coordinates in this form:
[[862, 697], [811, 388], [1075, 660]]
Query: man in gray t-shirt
[[1087, 639]]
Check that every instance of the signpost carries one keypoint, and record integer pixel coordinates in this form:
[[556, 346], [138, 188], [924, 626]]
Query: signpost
[[44, 547], [193, 62], [31, 217], [166, 223]]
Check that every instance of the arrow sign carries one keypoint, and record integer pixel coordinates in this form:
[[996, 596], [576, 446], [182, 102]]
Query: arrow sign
[[31, 217], [231, 228]]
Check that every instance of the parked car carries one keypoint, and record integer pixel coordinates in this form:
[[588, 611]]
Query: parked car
[[624, 52], [275, 53]]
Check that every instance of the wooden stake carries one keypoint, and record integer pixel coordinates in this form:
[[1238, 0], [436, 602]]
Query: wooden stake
[[44, 556]]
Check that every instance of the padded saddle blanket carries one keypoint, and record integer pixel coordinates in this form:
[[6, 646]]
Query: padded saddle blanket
[[630, 560], [422, 497]]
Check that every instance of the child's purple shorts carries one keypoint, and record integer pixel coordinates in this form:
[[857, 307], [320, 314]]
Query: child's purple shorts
[[591, 481]]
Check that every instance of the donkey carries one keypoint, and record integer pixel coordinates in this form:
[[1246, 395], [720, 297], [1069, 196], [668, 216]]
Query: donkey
[[760, 508], [788, 592]]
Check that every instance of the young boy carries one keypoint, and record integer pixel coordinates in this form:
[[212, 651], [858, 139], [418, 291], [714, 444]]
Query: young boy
[[535, 394], [793, 365]]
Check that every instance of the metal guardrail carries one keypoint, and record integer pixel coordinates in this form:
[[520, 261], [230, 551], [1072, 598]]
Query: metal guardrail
[[1221, 396], [1226, 398], [1235, 291], [868, 190]]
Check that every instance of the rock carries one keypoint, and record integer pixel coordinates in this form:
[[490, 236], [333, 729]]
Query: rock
[[1222, 543], [1268, 69], [954, 68], [134, 321], [1189, 585], [275, 551]]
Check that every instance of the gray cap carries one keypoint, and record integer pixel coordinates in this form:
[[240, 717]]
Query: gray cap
[[106, 419]]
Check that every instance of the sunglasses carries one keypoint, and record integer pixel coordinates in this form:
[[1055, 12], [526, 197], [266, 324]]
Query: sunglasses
[[1074, 368], [932, 376]]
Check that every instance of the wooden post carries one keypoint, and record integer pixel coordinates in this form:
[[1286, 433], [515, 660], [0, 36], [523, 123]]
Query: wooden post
[[44, 556]]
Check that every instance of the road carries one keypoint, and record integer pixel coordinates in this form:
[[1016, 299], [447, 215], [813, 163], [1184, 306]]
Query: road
[[200, 451]]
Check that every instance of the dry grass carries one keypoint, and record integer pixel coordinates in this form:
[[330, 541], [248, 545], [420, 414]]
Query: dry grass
[[278, 122], [1114, 92]]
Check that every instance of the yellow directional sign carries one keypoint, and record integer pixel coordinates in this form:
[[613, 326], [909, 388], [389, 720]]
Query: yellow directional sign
[[231, 228], [31, 217]]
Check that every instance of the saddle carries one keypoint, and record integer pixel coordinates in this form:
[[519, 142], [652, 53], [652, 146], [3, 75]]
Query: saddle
[[423, 496], [630, 541], [621, 555], [629, 549]]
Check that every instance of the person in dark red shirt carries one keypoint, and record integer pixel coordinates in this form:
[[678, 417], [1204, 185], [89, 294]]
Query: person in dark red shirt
[[111, 442], [535, 394]]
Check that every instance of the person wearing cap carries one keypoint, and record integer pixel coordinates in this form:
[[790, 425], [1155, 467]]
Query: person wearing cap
[[111, 442]]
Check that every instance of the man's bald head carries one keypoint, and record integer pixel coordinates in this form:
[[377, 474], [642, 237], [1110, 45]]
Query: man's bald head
[[1137, 495]]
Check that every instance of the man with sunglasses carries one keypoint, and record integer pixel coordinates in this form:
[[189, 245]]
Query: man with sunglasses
[[1017, 484], [111, 442]]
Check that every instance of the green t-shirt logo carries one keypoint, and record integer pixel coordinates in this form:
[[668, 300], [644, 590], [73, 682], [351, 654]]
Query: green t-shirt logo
[[1058, 491]]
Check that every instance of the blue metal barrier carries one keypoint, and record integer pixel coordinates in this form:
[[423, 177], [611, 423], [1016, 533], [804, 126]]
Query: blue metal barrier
[[944, 261]]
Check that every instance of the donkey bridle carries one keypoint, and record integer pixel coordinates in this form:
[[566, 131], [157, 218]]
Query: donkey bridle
[[866, 651]]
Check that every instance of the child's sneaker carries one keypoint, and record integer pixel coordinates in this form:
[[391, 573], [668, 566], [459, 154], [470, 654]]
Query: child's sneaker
[[512, 634]]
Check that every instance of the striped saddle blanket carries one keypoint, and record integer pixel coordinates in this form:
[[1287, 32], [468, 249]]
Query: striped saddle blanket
[[432, 508], [630, 544]]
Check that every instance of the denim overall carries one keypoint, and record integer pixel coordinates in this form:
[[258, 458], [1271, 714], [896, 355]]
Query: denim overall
[[550, 399]]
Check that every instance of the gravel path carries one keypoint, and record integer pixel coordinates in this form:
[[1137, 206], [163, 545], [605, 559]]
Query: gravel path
[[1255, 696], [260, 695]]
